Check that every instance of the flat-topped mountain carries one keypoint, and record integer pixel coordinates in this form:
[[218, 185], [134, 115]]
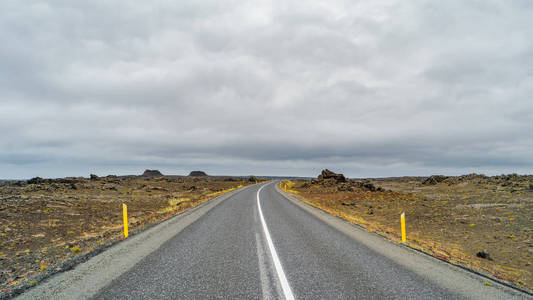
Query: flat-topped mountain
[[152, 173], [198, 173]]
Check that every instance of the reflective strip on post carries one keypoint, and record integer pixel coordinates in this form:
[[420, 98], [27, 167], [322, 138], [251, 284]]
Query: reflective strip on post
[[402, 217], [125, 217]]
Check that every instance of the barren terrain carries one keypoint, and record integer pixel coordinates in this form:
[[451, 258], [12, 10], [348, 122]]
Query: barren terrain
[[46, 222], [483, 223]]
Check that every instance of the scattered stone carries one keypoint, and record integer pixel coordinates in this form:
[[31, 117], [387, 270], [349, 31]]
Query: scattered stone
[[111, 187], [197, 173], [69, 180], [344, 188], [151, 173]]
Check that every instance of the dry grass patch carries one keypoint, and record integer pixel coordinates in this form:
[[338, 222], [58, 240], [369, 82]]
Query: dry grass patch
[[53, 220]]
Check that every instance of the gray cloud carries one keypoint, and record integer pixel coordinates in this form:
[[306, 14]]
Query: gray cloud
[[370, 88]]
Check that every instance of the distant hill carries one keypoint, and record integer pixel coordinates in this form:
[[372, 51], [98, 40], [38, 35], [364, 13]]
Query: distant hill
[[198, 173], [152, 173]]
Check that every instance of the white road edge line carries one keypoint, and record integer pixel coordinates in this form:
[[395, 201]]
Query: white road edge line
[[277, 264]]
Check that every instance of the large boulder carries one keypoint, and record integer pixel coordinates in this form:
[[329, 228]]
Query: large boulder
[[152, 173], [327, 174], [197, 173]]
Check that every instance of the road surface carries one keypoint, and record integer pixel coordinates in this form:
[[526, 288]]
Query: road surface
[[255, 243]]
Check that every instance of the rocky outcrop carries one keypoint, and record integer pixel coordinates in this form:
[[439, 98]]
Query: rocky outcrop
[[36, 180], [434, 179], [327, 174], [329, 179]]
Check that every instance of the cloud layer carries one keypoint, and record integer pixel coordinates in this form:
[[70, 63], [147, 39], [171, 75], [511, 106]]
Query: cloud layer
[[369, 88]]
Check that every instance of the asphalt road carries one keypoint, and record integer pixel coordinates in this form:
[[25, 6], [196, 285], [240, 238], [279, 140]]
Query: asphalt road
[[257, 244]]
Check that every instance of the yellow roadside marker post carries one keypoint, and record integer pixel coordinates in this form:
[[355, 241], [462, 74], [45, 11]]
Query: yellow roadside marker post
[[402, 217], [125, 217]]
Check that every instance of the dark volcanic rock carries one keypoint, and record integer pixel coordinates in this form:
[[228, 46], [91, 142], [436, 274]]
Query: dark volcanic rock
[[483, 254], [69, 180], [36, 180], [327, 174], [197, 173], [94, 177], [434, 179], [152, 173], [252, 179], [369, 186]]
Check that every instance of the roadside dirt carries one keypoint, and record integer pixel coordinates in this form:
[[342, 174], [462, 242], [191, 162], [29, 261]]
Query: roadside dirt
[[483, 223], [44, 222]]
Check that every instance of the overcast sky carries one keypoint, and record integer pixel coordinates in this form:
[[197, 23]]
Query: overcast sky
[[366, 88]]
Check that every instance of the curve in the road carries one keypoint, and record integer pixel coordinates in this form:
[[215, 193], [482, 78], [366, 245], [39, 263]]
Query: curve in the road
[[279, 269]]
